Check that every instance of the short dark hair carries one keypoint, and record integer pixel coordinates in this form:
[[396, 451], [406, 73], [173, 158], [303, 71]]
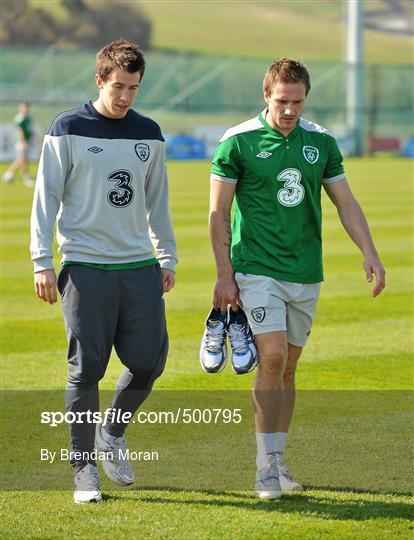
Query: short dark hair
[[286, 70], [119, 54]]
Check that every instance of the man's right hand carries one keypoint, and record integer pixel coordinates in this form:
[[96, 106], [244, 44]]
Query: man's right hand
[[226, 292], [45, 285]]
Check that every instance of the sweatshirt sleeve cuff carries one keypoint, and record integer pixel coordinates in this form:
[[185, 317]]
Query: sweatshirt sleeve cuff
[[168, 263], [44, 263]]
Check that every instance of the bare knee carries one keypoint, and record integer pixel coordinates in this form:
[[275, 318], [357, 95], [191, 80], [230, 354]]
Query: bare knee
[[273, 363]]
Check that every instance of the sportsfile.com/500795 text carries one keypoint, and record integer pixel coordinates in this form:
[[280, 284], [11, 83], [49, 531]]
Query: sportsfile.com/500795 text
[[179, 416]]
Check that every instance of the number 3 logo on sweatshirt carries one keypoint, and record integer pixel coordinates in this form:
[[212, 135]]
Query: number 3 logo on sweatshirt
[[123, 192]]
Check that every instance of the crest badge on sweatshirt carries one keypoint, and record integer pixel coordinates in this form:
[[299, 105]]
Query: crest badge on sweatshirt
[[142, 151]]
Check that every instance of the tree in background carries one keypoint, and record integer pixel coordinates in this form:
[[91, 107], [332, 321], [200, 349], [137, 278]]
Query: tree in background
[[74, 5], [94, 24], [21, 24], [86, 24]]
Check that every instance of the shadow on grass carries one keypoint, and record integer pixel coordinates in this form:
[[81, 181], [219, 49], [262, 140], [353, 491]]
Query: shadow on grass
[[350, 489], [295, 503]]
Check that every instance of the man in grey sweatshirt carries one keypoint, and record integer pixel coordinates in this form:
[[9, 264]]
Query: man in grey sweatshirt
[[102, 179]]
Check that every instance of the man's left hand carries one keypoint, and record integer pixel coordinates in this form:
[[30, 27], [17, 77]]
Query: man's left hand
[[373, 266], [168, 279]]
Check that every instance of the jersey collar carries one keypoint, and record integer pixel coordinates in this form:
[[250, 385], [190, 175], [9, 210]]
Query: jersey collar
[[292, 135]]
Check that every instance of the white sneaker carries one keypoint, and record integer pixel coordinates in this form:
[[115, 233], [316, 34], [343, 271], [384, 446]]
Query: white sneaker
[[287, 482], [8, 176], [244, 356], [267, 482], [116, 465], [87, 485], [28, 182], [213, 350]]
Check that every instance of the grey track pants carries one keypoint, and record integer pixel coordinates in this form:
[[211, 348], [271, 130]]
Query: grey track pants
[[101, 309]]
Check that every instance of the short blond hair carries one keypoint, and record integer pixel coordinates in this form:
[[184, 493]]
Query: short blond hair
[[286, 70]]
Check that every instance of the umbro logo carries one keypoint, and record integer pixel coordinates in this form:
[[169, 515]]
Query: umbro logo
[[95, 149], [264, 155]]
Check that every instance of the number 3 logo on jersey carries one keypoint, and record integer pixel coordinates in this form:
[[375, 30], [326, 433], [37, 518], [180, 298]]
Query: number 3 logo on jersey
[[292, 192], [123, 193]]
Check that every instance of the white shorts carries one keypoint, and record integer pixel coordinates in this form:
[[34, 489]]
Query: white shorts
[[23, 150], [272, 305]]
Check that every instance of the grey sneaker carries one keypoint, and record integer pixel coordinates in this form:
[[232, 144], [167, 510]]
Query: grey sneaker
[[213, 350], [87, 484], [116, 465], [287, 482], [244, 356], [267, 482]]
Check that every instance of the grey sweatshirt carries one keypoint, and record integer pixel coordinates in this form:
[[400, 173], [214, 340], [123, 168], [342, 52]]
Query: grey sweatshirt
[[104, 182]]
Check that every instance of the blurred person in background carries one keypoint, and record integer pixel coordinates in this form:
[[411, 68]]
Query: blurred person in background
[[25, 140]]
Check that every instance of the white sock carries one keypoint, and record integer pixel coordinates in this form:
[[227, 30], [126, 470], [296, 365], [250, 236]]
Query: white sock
[[8, 175], [280, 443], [265, 445]]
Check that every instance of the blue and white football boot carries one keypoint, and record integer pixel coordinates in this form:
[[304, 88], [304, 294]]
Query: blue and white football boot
[[244, 356], [213, 350]]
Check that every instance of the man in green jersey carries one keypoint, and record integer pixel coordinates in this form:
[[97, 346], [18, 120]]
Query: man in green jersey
[[25, 136], [269, 260]]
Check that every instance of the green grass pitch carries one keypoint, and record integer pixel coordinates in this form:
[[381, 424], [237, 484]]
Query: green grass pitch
[[358, 344]]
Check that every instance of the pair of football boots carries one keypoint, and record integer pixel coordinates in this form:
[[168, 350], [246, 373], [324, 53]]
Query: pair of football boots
[[213, 351]]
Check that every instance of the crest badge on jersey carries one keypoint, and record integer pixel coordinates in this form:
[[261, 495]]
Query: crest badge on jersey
[[259, 314], [311, 154], [142, 151]]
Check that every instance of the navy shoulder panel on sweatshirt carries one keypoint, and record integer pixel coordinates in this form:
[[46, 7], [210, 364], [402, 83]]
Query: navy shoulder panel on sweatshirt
[[86, 121]]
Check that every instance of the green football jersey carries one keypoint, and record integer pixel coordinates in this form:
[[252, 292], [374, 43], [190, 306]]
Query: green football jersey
[[26, 125], [277, 220]]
